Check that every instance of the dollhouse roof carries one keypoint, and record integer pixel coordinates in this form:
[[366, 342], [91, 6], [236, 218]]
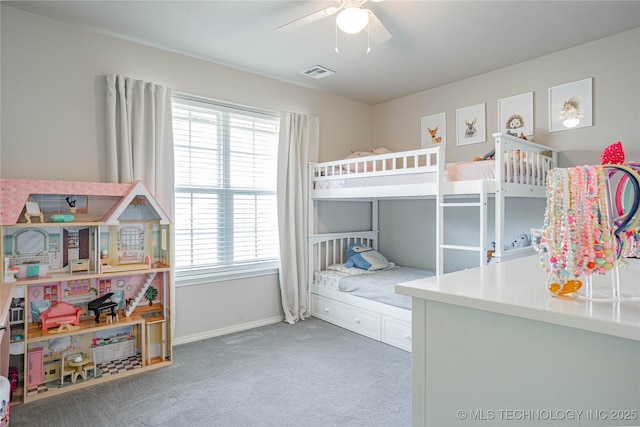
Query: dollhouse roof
[[105, 202]]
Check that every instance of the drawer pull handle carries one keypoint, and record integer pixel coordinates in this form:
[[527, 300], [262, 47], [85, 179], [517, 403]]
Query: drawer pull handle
[[407, 337], [357, 321], [326, 310]]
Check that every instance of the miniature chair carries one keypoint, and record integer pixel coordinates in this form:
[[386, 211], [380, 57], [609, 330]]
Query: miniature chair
[[111, 317], [91, 366], [32, 209], [65, 370]]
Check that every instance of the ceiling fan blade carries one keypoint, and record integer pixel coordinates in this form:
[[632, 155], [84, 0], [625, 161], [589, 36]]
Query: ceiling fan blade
[[305, 20], [377, 31]]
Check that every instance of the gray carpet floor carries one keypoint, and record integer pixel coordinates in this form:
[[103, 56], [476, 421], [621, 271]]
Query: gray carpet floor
[[308, 374]]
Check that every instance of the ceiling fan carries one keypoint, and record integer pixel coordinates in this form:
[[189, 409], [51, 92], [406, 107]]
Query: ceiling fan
[[351, 17]]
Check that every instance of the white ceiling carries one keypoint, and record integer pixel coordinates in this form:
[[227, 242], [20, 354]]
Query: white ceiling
[[434, 42]]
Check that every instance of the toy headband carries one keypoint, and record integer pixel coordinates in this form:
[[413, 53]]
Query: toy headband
[[630, 221]]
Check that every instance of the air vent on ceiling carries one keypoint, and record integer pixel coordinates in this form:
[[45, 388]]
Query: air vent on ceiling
[[317, 72]]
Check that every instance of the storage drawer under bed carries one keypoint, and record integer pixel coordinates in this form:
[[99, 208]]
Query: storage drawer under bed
[[347, 316], [396, 332]]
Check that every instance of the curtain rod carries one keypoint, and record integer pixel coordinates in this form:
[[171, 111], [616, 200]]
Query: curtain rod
[[226, 104]]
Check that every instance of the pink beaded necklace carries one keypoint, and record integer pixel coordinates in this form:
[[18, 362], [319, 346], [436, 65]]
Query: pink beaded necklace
[[577, 235]]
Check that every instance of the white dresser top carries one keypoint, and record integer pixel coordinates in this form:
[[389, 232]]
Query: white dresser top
[[518, 288]]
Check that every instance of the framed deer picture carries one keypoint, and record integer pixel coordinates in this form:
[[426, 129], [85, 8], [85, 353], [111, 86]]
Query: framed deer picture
[[470, 125], [433, 130]]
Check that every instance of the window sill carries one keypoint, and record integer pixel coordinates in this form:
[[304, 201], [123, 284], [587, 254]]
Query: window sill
[[205, 278]]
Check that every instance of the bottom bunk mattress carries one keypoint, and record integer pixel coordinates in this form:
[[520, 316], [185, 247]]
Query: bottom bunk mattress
[[373, 285]]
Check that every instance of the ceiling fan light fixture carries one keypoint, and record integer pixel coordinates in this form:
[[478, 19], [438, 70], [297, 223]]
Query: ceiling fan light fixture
[[352, 19]]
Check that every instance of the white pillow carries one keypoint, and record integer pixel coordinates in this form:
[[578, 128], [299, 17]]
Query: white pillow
[[360, 166], [380, 150], [351, 271], [368, 259]]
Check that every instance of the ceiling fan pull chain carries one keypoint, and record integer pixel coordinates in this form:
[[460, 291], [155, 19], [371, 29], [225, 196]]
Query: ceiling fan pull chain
[[369, 36]]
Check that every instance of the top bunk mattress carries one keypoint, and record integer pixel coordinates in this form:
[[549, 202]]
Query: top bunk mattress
[[459, 171]]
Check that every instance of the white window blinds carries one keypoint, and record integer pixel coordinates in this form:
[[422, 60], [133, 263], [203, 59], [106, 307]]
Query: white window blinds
[[225, 189]]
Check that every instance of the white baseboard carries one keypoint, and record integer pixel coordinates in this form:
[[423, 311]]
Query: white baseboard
[[228, 330]]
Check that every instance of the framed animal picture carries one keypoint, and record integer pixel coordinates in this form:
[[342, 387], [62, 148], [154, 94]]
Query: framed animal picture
[[515, 115], [570, 106], [471, 125], [433, 130]]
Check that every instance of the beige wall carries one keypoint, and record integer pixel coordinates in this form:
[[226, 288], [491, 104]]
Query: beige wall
[[613, 63], [53, 128]]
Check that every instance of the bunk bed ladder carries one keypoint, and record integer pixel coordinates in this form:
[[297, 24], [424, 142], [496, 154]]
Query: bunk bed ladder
[[481, 204]]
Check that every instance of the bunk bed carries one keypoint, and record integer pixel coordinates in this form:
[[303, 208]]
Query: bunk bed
[[518, 169], [388, 321]]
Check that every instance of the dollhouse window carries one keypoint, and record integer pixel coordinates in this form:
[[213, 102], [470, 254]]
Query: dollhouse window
[[30, 242], [131, 245]]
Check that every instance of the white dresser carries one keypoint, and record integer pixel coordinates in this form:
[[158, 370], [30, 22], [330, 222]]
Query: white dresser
[[492, 347]]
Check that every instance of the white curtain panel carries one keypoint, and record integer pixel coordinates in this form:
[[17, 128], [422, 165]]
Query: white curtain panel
[[140, 142], [298, 144], [140, 136]]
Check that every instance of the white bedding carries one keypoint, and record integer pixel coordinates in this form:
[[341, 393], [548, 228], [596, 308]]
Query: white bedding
[[374, 285], [466, 171], [460, 171]]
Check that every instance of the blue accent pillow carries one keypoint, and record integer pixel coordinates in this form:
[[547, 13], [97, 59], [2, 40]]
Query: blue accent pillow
[[365, 258], [355, 248]]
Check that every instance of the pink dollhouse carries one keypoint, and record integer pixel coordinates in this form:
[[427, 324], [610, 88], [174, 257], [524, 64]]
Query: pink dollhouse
[[68, 244]]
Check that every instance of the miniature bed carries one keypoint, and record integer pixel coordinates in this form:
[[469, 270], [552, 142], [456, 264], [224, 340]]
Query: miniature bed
[[361, 301], [519, 169]]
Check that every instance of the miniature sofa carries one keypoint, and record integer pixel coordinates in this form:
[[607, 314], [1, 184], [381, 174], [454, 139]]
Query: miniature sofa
[[59, 314]]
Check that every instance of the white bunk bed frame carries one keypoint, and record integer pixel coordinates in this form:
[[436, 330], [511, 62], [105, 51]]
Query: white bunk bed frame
[[518, 177], [382, 322], [517, 155]]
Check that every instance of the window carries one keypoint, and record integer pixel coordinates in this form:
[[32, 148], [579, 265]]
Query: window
[[225, 191]]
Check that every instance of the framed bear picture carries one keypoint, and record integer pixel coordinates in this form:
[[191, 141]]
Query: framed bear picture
[[515, 114]]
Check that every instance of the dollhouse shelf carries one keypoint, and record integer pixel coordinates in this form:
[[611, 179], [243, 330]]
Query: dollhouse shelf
[[35, 333], [107, 268], [60, 277], [58, 224]]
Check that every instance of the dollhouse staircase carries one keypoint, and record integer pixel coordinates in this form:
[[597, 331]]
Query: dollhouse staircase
[[145, 285]]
